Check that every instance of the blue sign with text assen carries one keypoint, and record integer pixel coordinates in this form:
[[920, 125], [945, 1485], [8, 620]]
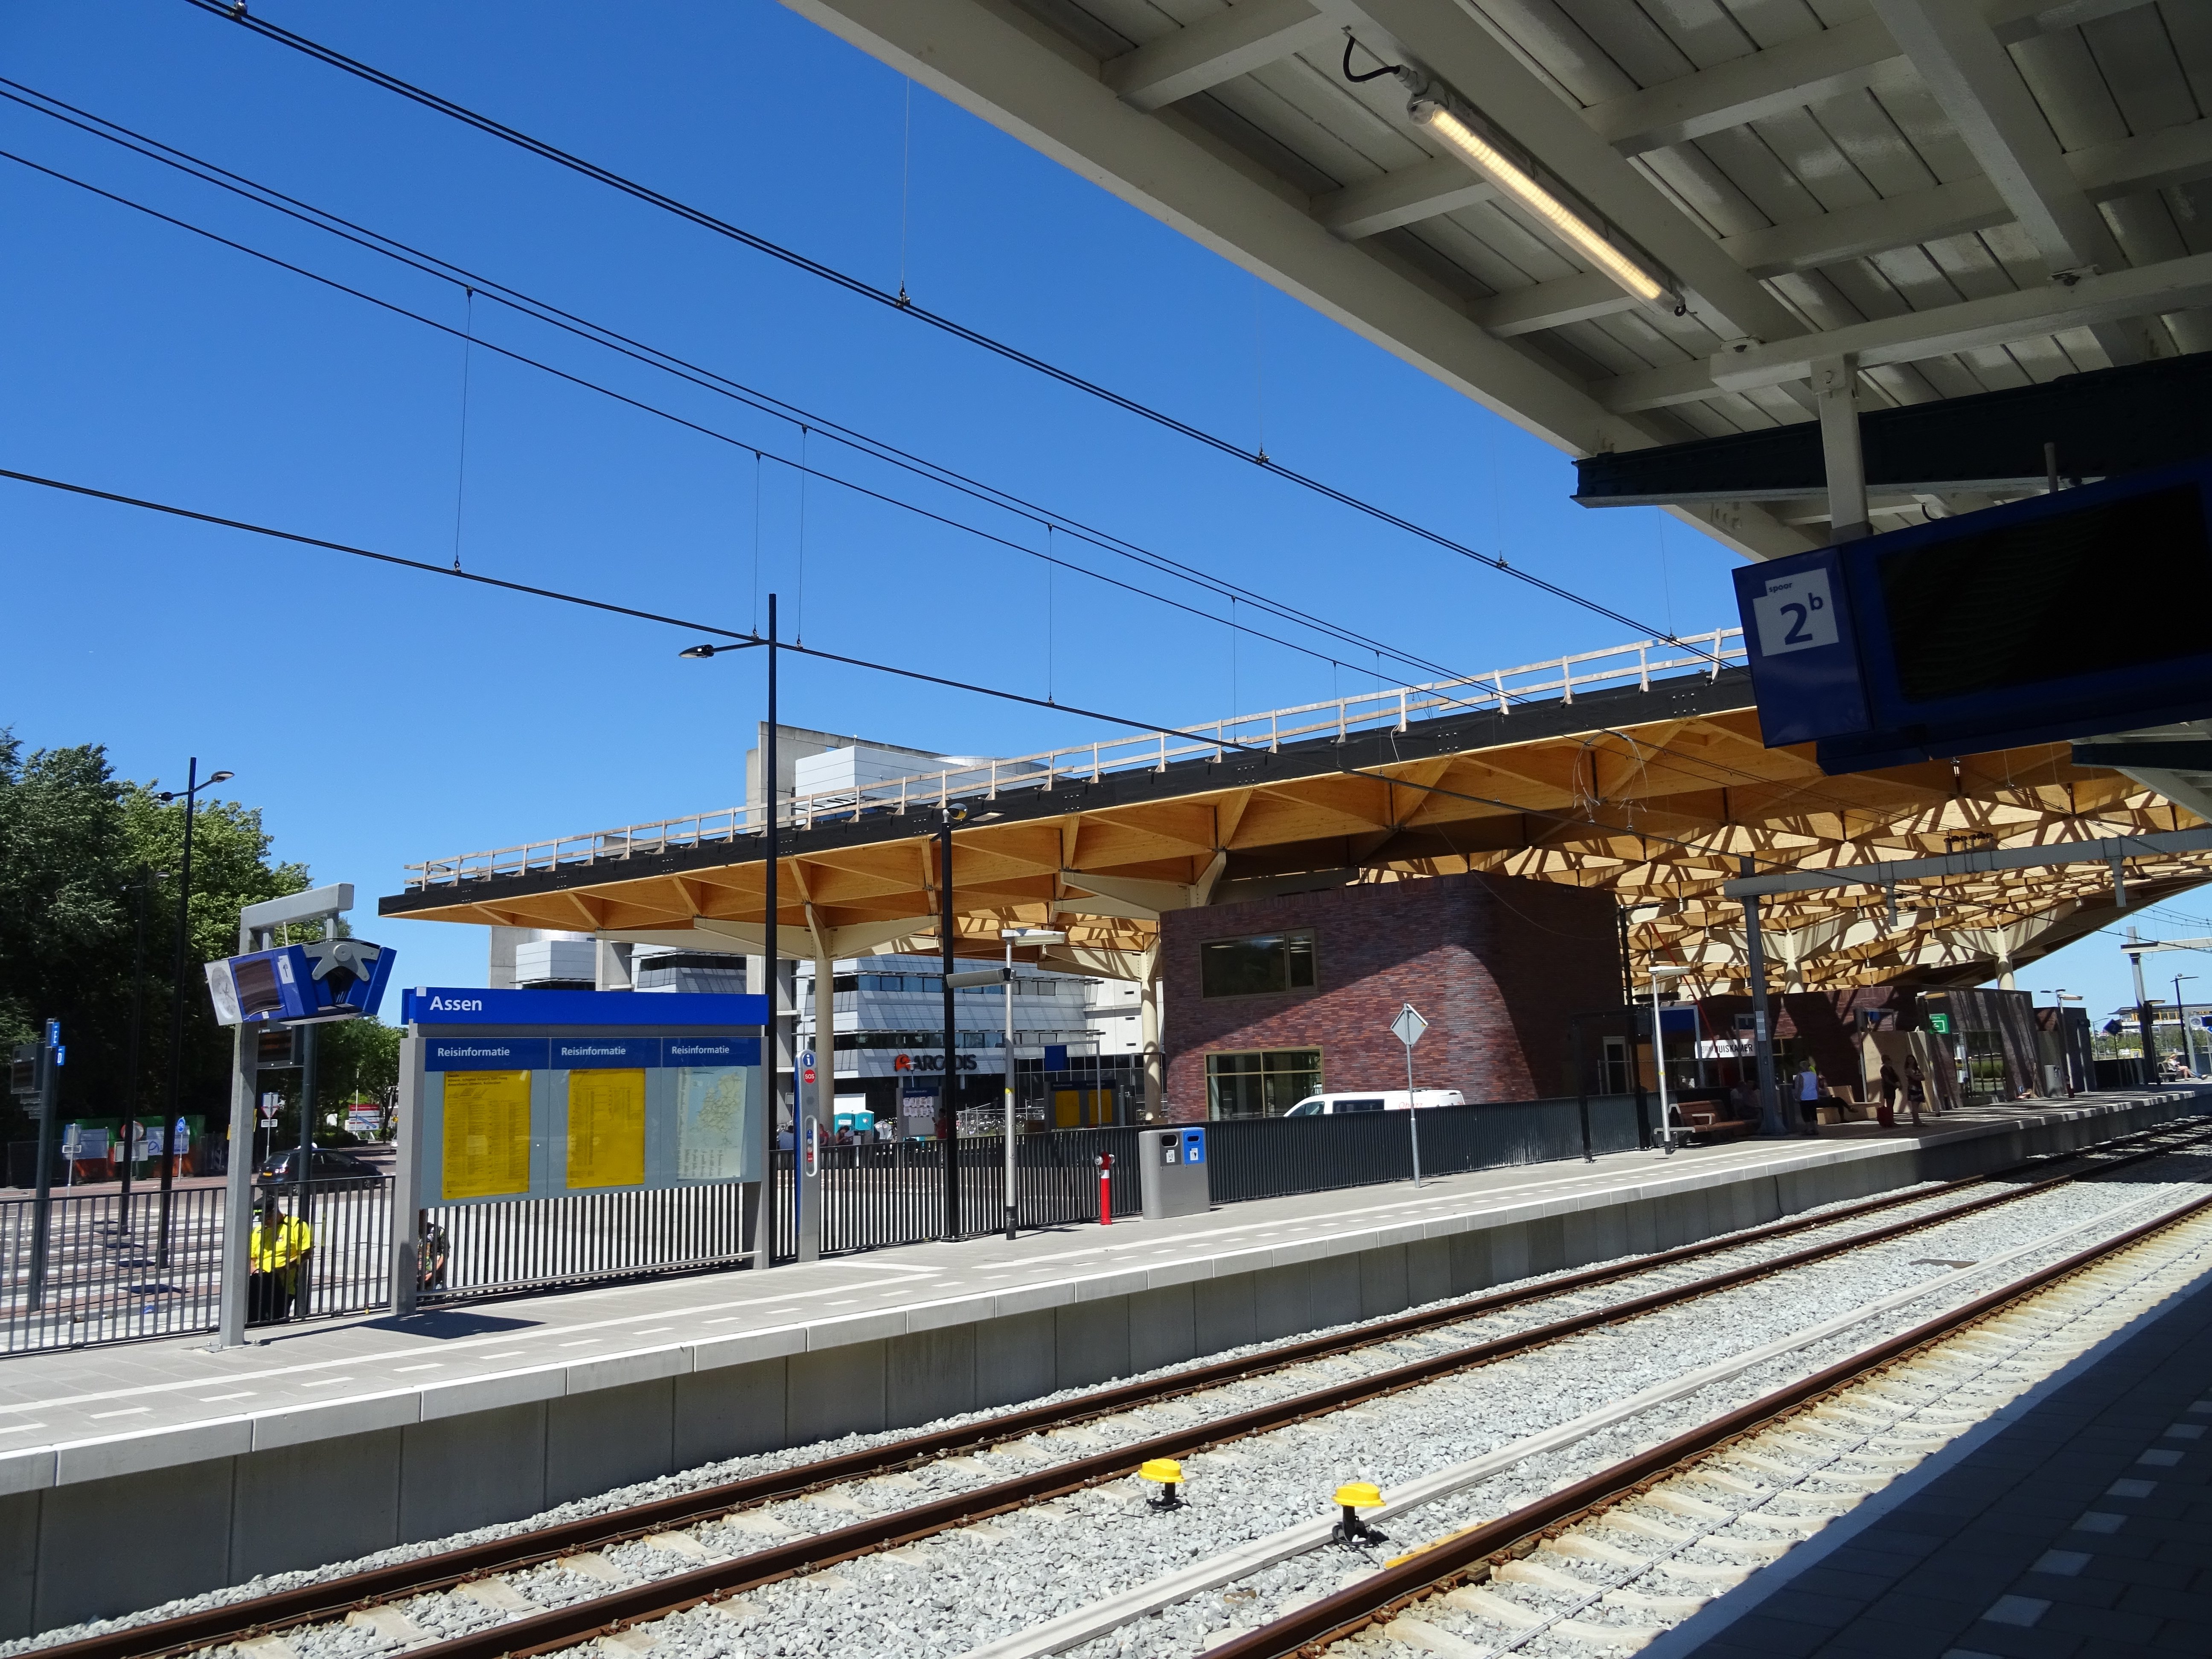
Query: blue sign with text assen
[[441, 1005], [484, 1055]]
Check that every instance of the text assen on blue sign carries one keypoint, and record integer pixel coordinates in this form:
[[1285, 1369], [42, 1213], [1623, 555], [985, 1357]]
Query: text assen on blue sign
[[441, 1005], [585, 1054]]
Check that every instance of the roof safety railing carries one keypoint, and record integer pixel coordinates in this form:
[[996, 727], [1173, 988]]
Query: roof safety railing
[[1395, 709]]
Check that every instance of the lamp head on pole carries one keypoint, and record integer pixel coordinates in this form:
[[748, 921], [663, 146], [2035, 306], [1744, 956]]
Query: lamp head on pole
[[165, 796]]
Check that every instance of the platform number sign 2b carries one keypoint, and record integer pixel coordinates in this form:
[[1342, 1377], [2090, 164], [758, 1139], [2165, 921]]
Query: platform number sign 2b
[[1795, 613]]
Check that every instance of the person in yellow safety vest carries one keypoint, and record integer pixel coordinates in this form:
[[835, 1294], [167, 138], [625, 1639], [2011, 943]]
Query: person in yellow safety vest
[[276, 1250]]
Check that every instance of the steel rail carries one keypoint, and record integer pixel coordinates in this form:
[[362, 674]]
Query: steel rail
[[1310, 1631], [560, 1627]]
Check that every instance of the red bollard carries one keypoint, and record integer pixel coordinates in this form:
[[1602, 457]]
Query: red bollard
[[1105, 1189]]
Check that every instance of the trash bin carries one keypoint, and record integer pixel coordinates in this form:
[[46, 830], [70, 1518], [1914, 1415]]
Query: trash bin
[[1172, 1173]]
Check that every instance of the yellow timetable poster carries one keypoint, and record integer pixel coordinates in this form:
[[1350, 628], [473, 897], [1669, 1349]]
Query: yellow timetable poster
[[487, 1134], [606, 1129]]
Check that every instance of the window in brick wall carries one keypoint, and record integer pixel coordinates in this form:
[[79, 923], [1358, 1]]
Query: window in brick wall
[[1264, 964], [1614, 1076], [1260, 1083]]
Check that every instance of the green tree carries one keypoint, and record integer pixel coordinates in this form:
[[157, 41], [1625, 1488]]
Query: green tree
[[356, 1059], [75, 842], [64, 905]]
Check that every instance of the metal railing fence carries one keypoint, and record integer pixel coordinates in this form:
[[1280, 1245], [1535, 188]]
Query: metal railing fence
[[104, 1284], [1393, 708], [540, 1244], [873, 1196], [101, 1283], [876, 1196], [349, 1266]]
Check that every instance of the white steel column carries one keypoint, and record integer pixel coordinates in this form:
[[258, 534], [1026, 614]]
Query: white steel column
[[407, 1180], [1148, 1037], [1835, 383], [238, 1182]]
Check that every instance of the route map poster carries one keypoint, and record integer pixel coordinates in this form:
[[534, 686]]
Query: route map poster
[[487, 1150], [710, 1122], [607, 1128]]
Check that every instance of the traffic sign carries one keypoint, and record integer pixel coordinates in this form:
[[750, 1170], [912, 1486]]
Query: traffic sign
[[1408, 1026]]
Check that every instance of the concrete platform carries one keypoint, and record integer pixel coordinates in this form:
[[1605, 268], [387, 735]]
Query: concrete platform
[[337, 1439]]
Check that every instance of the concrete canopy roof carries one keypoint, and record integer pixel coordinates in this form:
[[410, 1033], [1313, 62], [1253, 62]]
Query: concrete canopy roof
[[1902, 180]]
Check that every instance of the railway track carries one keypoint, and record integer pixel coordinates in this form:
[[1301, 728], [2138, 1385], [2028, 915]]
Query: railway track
[[703, 1548], [1656, 1537]]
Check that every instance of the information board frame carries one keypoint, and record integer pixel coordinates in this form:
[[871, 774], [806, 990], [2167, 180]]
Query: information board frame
[[648, 1086]]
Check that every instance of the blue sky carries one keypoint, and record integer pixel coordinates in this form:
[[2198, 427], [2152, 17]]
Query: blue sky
[[380, 717]]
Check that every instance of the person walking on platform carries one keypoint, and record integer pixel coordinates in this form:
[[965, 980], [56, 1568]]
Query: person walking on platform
[[1890, 1084], [277, 1251], [1808, 1095], [1916, 1087]]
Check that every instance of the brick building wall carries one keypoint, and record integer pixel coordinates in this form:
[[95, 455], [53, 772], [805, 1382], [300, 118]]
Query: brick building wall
[[1495, 965]]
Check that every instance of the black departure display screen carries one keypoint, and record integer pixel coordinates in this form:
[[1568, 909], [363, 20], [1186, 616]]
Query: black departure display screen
[[2115, 585], [258, 995]]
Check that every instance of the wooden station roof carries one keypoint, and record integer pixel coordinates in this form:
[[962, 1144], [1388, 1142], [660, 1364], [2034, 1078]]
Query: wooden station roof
[[1656, 795]]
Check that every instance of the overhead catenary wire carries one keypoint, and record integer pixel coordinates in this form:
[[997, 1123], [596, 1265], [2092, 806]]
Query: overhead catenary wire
[[1706, 765], [668, 362], [860, 288], [1213, 740], [808, 423], [587, 384]]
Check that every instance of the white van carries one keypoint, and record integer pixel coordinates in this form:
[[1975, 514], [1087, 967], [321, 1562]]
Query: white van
[[1373, 1100]]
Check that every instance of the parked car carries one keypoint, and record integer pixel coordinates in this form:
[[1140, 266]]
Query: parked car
[[1373, 1100], [331, 1168]]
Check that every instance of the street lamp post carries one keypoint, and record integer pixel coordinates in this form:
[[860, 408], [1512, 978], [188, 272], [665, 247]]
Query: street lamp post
[[948, 1100], [764, 1215], [193, 784], [1014, 936], [146, 875], [1660, 971]]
